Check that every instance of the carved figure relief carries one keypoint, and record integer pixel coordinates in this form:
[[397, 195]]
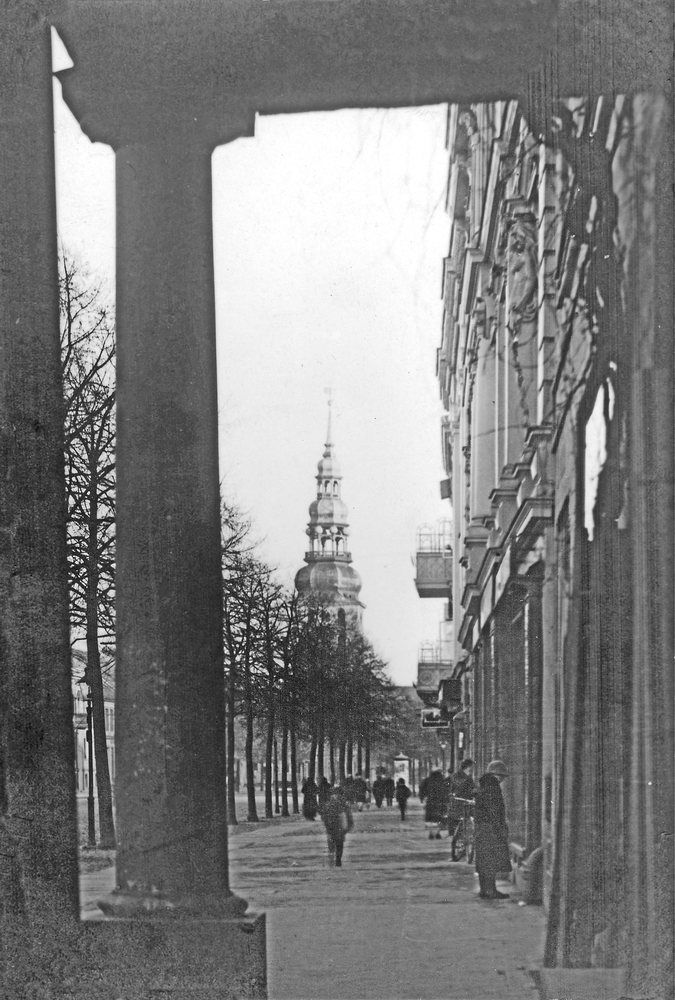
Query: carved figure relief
[[522, 269]]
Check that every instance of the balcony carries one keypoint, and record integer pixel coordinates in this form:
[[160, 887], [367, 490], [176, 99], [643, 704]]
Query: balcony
[[433, 666], [433, 576]]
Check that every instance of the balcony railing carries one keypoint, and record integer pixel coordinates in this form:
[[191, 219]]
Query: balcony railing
[[435, 652], [318, 556], [434, 573]]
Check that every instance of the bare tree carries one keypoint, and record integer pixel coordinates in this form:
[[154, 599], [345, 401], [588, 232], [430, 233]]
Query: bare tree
[[87, 352]]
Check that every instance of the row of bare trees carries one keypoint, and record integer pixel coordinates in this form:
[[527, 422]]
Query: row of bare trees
[[298, 674], [88, 364]]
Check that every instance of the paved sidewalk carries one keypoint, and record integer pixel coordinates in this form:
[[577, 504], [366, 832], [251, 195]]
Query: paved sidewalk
[[399, 921]]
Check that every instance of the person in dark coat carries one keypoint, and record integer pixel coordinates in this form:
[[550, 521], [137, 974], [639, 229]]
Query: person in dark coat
[[378, 791], [435, 791], [309, 802], [403, 793], [461, 782], [462, 785], [389, 789], [323, 793], [492, 833], [338, 820], [359, 791]]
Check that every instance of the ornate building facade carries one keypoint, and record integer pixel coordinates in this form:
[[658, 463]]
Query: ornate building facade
[[554, 371], [328, 571]]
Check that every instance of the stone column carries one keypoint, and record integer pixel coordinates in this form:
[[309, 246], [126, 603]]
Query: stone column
[[170, 720], [38, 853], [170, 725], [171, 812], [38, 833], [484, 424], [548, 235]]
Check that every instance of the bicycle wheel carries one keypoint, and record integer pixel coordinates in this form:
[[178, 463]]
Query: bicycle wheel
[[459, 842]]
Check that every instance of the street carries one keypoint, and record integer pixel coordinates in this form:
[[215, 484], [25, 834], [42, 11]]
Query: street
[[398, 920]]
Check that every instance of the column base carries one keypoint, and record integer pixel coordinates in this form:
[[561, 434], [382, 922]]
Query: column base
[[581, 984], [154, 957], [127, 905]]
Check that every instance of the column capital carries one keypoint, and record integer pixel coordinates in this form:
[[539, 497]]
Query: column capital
[[144, 68], [143, 114]]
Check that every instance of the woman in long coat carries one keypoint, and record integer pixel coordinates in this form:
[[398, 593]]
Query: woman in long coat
[[435, 791], [492, 833], [309, 802]]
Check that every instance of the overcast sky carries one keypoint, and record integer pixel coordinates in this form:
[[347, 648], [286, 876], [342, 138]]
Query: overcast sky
[[329, 234]]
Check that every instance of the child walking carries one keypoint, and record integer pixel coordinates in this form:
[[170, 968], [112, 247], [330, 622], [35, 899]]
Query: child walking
[[403, 793]]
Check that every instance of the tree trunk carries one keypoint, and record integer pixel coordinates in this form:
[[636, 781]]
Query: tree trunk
[[277, 808], [284, 772], [95, 680], [331, 758], [294, 774], [350, 756], [320, 750], [250, 774], [366, 763], [231, 801], [341, 761], [269, 747], [359, 758], [311, 774]]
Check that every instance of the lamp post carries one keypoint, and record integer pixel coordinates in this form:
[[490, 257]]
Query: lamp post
[[443, 745], [91, 815]]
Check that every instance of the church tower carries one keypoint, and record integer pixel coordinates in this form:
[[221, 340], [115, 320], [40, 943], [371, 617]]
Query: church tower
[[329, 570]]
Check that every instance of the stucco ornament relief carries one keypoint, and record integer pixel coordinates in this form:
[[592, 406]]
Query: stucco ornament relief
[[522, 270]]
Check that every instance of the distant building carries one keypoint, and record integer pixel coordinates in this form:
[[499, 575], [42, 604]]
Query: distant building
[[329, 571], [83, 761]]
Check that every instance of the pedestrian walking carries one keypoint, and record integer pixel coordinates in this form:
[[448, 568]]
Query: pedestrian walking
[[323, 793], [492, 833], [309, 799], [359, 791], [338, 820], [435, 791], [378, 791], [389, 789], [403, 793]]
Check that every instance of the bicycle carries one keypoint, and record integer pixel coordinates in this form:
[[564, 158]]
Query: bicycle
[[463, 837]]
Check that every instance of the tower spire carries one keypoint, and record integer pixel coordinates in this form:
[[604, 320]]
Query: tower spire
[[328, 570], [329, 429]]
